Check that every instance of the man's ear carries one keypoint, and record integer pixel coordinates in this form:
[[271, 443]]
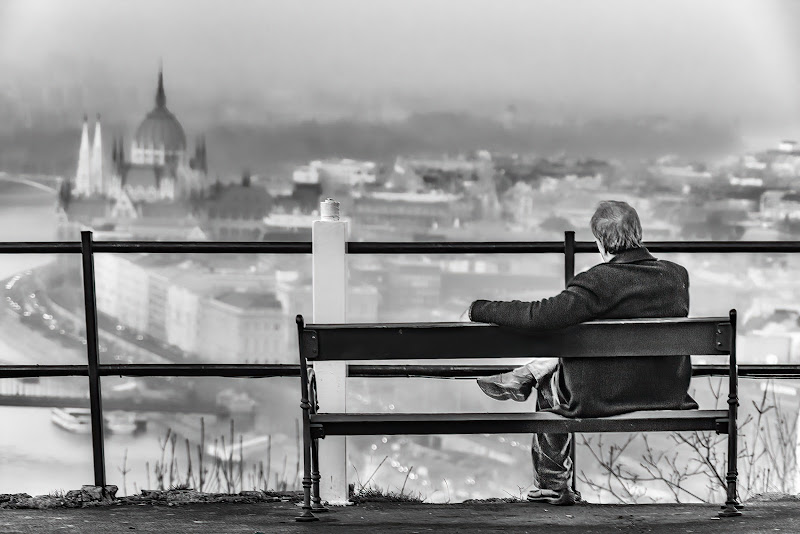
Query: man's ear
[[600, 247]]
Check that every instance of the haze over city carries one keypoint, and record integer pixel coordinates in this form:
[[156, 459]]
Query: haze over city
[[735, 62]]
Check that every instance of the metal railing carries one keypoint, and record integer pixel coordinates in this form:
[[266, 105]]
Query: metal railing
[[94, 370]]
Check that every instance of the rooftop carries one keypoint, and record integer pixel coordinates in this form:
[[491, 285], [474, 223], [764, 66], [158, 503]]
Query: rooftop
[[237, 201], [397, 196], [248, 300]]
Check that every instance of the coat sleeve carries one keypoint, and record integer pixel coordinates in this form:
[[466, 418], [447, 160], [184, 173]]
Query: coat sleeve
[[579, 302]]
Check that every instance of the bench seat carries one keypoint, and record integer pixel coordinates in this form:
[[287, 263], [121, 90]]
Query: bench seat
[[362, 424]]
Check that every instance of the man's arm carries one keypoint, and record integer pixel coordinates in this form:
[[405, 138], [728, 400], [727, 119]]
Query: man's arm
[[578, 303]]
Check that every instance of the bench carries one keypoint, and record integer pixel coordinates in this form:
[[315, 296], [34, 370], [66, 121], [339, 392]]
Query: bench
[[429, 341]]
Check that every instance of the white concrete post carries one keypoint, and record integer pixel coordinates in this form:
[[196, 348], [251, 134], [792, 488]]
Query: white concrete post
[[329, 270]]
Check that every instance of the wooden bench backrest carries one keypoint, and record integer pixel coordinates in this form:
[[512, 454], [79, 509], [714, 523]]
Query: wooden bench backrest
[[413, 341]]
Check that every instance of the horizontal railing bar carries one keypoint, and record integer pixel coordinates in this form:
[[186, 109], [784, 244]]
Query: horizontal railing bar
[[388, 247], [43, 247], [456, 247], [356, 370], [714, 247], [208, 370], [551, 247], [200, 247], [35, 371]]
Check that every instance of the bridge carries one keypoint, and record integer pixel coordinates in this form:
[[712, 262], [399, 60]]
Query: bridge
[[31, 181], [49, 392], [124, 405]]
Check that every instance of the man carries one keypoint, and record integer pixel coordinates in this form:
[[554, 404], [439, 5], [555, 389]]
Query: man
[[630, 283]]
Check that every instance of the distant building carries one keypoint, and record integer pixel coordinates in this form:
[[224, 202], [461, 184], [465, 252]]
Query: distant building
[[754, 162], [89, 174], [780, 205], [788, 146], [169, 298], [746, 181], [295, 293], [123, 287], [404, 212], [785, 163], [337, 173], [287, 226], [242, 326], [445, 174], [158, 171], [235, 212], [407, 285], [677, 175], [519, 205], [159, 166]]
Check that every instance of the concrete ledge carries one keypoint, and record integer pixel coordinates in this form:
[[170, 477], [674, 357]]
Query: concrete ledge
[[761, 516]]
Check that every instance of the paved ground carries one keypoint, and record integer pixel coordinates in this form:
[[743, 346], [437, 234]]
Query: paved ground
[[763, 517]]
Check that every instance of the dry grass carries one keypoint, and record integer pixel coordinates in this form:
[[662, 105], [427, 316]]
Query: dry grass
[[224, 471]]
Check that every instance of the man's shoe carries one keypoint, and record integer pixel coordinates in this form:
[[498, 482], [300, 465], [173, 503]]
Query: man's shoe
[[515, 385], [565, 497]]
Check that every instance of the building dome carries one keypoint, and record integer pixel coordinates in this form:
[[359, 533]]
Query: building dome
[[160, 128]]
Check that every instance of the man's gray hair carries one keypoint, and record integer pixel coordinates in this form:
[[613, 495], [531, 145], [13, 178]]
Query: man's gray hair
[[616, 225]]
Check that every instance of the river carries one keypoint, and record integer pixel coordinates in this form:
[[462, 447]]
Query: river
[[36, 456]]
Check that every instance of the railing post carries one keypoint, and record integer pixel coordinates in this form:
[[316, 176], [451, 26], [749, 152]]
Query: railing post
[[569, 273], [95, 397], [329, 270], [569, 256]]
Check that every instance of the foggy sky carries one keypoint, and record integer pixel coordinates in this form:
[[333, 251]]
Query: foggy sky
[[725, 58]]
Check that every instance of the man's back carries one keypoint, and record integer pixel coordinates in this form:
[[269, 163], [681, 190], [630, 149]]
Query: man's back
[[631, 285], [635, 284]]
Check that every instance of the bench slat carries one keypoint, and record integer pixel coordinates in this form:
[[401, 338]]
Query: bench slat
[[352, 424], [414, 341]]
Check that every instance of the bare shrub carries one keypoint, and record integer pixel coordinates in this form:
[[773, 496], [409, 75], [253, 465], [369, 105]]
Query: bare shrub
[[694, 468]]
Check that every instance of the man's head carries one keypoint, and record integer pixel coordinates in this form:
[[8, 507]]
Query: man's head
[[616, 228]]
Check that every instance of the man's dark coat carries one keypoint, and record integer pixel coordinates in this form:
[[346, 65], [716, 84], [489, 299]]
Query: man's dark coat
[[633, 284]]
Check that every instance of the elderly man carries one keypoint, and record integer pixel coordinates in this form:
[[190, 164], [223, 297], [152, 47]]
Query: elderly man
[[630, 283]]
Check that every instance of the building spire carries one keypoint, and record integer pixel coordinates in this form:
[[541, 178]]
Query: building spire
[[82, 175], [161, 96], [96, 160]]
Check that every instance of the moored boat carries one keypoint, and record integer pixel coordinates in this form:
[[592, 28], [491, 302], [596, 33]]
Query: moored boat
[[121, 422], [79, 421], [76, 420]]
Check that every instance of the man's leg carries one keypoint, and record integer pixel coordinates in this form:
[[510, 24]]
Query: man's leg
[[552, 464], [519, 383]]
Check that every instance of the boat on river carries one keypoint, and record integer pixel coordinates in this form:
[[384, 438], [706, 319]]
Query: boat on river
[[121, 422], [77, 420]]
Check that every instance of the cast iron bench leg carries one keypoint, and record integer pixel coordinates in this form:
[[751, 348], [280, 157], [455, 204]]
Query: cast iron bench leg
[[316, 501]]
